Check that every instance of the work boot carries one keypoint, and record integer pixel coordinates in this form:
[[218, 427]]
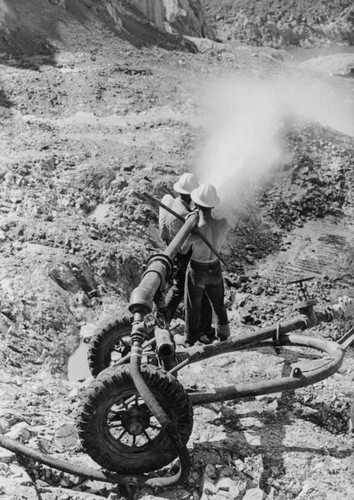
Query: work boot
[[204, 339], [223, 332]]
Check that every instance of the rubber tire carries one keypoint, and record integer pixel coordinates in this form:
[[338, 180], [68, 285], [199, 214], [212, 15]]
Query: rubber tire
[[105, 391], [103, 343]]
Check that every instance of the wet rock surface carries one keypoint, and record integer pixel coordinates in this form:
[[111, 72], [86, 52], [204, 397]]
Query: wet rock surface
[[83, 129]]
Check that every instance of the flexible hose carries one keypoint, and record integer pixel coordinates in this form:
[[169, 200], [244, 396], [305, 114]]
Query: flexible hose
[[163, 419], [86, 472]]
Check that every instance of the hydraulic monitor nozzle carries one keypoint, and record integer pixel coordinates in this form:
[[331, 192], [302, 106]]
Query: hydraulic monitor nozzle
[[159, 268]]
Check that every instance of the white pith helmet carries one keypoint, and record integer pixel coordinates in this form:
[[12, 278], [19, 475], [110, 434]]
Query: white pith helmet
[[205, 195], [186, 183]]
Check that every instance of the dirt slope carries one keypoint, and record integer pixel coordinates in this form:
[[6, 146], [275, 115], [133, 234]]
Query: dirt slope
[[88, 120], [41, 27]]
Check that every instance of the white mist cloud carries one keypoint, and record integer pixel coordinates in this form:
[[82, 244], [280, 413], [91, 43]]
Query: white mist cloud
[[328, 101], [244, 120]]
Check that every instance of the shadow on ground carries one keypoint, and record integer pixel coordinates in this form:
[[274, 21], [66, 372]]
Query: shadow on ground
[[257, 440]]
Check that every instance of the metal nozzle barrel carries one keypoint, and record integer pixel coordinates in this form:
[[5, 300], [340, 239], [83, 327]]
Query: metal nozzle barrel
[[159, 269]]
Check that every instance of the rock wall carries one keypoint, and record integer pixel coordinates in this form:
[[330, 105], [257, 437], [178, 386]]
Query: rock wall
[[154, 10], [183, 17], [274, 23]]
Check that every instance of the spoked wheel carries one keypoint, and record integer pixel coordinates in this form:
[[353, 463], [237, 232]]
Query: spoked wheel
[[109, 345], [117, 429]]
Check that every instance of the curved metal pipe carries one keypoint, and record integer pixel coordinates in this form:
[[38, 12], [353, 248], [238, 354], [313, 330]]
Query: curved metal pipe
[[201, 352], [239, 391], [163, 419], [248, 340], [299, 378]]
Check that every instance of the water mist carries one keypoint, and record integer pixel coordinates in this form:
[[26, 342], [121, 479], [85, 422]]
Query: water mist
[[245, 120]]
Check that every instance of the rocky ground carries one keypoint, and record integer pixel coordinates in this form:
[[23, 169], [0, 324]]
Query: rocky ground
[[89, 119], [278, 24]]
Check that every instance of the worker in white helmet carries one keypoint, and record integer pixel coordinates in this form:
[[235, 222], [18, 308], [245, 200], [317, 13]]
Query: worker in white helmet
[[169, 226], [204, 273]]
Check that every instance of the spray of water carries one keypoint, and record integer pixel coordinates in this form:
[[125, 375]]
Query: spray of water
[[245, 121]]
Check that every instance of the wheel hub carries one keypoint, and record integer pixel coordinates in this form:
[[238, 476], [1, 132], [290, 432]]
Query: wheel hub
[[135, 420]]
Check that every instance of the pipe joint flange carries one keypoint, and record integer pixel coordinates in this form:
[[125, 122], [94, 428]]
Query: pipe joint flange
[[165, 259]]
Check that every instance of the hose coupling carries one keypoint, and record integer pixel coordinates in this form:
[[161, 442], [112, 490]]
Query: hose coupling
[[138, 333]]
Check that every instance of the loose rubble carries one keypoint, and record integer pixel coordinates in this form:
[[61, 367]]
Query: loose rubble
[[278, 24], [83, 129]]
